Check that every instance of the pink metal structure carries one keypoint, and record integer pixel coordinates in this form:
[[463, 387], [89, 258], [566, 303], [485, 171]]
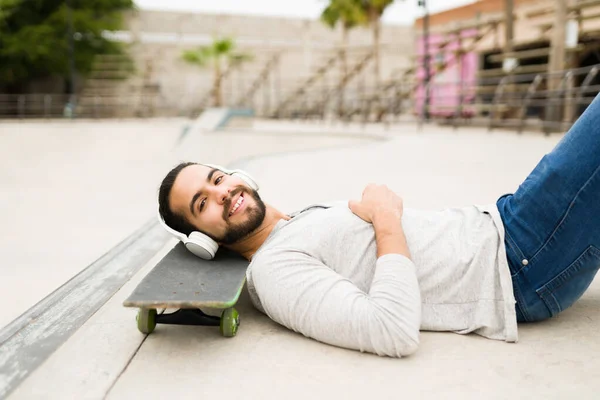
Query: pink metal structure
[[453, 76]]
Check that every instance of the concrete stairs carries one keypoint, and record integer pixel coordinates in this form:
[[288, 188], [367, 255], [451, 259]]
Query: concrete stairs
[[116, 89]]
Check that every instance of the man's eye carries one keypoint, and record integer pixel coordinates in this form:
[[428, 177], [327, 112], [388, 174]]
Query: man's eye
[[202, 204], [218, 180]]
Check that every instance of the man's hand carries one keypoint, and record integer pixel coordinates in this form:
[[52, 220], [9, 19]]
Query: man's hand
[[378, 203], [383, 208]]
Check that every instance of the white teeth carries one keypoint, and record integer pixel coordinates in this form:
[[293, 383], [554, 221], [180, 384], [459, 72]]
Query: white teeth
[[238, 203]]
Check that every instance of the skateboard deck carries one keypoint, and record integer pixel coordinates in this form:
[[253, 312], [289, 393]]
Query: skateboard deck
[[183, 281]]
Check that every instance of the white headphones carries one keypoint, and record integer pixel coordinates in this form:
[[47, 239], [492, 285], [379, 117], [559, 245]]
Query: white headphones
[[198, 243]]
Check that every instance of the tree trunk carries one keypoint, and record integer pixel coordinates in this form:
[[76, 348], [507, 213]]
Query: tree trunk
[[344, 70], [344, 52], [217, 83], [374, 18]]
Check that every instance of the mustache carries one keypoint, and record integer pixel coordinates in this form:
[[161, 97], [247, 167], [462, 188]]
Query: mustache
[[229, 200]]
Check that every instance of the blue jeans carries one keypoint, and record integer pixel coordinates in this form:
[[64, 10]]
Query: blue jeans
[[552, 223]]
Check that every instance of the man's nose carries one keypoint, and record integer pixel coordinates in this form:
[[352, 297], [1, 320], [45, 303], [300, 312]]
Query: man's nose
[[222, 193]]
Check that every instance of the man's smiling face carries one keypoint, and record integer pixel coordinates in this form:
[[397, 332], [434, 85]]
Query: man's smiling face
[[220, 205]]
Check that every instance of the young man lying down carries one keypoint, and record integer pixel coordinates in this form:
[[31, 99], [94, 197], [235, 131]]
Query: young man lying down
[[369, 275]]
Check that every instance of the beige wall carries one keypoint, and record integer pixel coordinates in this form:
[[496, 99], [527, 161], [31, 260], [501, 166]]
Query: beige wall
[[529, 25], [158, 39]]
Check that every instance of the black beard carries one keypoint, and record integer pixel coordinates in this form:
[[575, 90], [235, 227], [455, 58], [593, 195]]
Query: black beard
[[256, 215]]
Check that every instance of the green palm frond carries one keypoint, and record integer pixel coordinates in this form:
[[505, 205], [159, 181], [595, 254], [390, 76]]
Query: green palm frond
[[330, 16], [223, 46], [219, 49], [200, 56], [373, 6], [346, 12]]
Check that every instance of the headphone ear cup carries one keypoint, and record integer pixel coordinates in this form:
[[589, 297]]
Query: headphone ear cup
[[246, 178], [201, 245]]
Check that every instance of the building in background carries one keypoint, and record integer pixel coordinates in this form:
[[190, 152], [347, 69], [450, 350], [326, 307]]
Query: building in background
[[470, 54], [288, 55]]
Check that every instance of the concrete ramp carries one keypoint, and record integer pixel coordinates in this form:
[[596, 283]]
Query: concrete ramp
[[213, 119]]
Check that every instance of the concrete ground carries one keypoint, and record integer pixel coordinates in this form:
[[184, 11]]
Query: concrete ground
[[73, 190], [113, 192]]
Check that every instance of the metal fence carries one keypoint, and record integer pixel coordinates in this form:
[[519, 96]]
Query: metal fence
[[52, 105], [547, 102], [32, 105]]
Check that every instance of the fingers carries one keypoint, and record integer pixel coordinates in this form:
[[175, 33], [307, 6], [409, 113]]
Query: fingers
[[354, 206], [376, 190], [378, 198], [360, 210]]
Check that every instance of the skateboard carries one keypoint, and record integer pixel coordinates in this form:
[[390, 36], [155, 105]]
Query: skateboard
[[185, 282]]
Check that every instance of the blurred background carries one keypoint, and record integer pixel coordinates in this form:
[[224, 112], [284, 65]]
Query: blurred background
[[524, 64], [98, 99]]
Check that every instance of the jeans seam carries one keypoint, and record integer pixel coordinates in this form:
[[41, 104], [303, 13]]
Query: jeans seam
[[565, 215], [513, 245], [591, 249], [546, 292], [557, 304], [519, 299], [516, 289]]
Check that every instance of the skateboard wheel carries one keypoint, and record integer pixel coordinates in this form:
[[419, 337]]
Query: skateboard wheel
[[230, 321], [146, 320]]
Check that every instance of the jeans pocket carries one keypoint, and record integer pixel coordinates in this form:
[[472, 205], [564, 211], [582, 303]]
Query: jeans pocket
[[569, 285]]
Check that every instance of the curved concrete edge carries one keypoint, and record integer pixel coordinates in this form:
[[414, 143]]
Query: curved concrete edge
[[349, 135], [94, 357], [245, 161], [30, 339]]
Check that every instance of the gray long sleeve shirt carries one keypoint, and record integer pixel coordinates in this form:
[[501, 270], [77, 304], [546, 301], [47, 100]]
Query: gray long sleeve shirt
[[318, 274]]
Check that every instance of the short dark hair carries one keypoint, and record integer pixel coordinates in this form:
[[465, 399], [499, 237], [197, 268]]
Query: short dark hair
[[173, 220]]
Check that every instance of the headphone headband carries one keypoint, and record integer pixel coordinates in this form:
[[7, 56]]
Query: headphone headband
[[236, 172], [172, 231], [220, 168]]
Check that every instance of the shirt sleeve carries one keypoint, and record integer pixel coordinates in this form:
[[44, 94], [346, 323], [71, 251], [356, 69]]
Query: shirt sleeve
[[304, 295]]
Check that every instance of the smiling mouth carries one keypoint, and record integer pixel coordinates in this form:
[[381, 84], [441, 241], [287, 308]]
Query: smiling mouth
[[237, 204]]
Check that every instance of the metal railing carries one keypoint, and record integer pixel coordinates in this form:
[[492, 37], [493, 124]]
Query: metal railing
[[547, 102], [33, 105], [52, 105]]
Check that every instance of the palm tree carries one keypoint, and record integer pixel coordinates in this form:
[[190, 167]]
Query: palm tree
[[373, 10], [222, 53], [349, 15]]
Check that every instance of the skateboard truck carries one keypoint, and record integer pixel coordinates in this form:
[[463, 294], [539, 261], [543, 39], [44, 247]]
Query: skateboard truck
[[188, 317], [228, 324]]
